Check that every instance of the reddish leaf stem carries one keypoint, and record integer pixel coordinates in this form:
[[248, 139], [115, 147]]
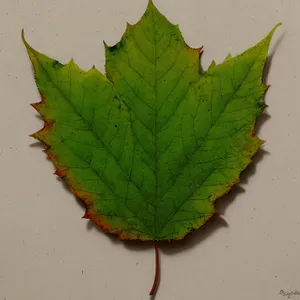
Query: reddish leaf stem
[[156, 277]]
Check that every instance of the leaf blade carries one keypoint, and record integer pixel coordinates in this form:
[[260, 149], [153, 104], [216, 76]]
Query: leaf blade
[[150, 147]]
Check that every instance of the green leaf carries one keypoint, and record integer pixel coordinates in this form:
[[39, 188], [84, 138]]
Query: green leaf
[[152, 144]]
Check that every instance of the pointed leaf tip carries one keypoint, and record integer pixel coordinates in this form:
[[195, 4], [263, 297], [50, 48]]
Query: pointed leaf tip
[[150, 2], [273, 30], [228, 57], [151, 5], [85, 216], [106, 47], [128, 26], [23, 38], [277, 25], [200, 50], [72, 62]]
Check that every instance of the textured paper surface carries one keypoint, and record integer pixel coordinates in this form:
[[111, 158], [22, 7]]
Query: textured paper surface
[[48, 252]]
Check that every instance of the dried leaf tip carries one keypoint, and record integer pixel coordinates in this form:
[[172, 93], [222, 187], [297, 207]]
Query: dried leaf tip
[[200, 50], [85, 216]]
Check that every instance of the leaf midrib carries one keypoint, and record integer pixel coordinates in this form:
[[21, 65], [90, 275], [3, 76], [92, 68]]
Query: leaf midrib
[[155, 131]]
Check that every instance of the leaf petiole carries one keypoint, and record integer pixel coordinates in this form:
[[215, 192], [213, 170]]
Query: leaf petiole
[[157, 270]]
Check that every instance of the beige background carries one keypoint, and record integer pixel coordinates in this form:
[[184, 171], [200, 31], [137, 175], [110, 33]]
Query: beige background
[[47, 252]]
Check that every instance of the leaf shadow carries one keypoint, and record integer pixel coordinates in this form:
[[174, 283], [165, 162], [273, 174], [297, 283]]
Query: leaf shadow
[[268, 64], [261, 121], [37, 145]]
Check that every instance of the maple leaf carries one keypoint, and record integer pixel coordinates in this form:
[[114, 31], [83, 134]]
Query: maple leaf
[[152, 144]]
